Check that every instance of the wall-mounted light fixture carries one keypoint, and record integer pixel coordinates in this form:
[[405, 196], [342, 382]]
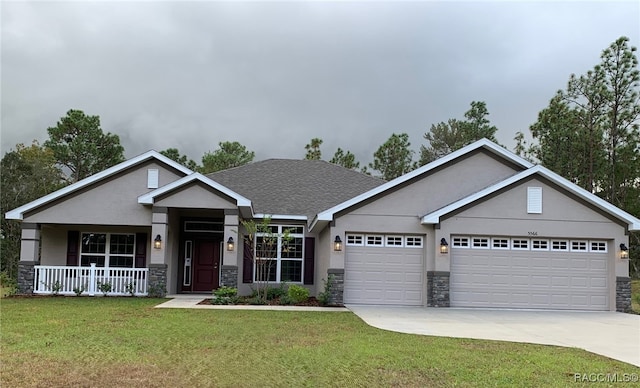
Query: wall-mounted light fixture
[[444, 246], [624, 251], [337, 244], [157, 242], [230, 244]]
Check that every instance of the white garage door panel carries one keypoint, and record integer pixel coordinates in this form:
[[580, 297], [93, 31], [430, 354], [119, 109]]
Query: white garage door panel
[[529, 279], [383, 275]]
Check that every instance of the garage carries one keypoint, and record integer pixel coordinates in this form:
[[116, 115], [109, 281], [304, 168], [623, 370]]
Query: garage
[[384, 269], [535, 273]]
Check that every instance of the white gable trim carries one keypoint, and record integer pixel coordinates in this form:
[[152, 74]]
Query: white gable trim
[[327, 215], [149, 198], [633, 222], [18, 213]]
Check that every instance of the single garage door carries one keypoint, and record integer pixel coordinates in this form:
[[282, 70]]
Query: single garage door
[[384, 269], [529, 273]]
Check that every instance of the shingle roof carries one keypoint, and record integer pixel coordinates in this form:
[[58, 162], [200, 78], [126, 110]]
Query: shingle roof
[[295, 187]]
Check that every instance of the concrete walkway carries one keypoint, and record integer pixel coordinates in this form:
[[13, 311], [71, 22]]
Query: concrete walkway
[[190, 301], [615, 335]]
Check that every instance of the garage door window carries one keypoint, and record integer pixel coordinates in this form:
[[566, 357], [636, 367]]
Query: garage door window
[[374, 241], [579, 246], [480, 242], [500, 243], [518, 243], [414, 242], [461, 242], [597, 246], [559, 245], [539, 245], [394, 241], [355, 240]]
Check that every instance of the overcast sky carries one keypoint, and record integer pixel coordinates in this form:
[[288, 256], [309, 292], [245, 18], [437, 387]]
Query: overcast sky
[[274, 75]]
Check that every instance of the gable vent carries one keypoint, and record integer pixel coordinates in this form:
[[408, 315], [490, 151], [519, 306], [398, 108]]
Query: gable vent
[[534, 200], [152, 178]]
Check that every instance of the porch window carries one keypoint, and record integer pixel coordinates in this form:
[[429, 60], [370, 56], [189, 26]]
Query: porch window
[[109, 250], [283, 259]]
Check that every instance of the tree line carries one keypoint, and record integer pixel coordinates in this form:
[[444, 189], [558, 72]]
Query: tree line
[[589, 133]]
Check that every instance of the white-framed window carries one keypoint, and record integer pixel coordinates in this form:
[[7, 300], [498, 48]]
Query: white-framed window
[[520, 244], [579, 246], [279, 259], [109, 250], [355, 240], [499, 243], [539, 245], [374, 240], [460, 242], [597, 246], [480, 242], [152, 178], [413, 242], [559, 245], [393, 241]]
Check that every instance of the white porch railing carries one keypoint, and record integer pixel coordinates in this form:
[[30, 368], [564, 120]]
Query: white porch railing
[[62, 280]]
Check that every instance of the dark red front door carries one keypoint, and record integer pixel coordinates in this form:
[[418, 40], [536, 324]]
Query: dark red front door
[[206, 261]]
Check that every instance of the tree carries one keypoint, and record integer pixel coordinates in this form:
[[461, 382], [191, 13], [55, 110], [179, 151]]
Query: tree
[[313, 149], [174, 154], [589, 133], [263, 242], [394, 157], [78, 143], [26, 174], [445, 138], [229, 155], [346, 160]]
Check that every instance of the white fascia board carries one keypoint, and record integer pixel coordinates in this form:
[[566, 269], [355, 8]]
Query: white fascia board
[[633, 222], [328, 214], [18, 213], [149, 198], [281, 216]]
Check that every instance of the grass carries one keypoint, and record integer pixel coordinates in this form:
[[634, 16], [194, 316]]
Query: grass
[[71, 341], [635, 295]]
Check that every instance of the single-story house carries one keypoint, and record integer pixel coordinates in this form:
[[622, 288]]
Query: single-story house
[[480, 227]]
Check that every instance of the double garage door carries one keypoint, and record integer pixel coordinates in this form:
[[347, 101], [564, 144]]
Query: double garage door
[[492, 271], [384, 269], [529, 273]]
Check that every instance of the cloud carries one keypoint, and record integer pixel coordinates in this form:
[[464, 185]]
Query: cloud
[[274, 75]]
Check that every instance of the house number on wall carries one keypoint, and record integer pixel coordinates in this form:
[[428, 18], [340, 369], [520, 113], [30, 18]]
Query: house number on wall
[[533, 233]]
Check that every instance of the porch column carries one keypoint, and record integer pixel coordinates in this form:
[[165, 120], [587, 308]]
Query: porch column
[[229, 270], [158, 258], [29, 257]]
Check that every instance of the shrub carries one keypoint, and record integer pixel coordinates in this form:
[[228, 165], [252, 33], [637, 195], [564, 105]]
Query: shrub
[[105, 288], [225, 295], [8, 285], [325, 296], [297, 294], [276, 292], [79, 290], [157, 290]]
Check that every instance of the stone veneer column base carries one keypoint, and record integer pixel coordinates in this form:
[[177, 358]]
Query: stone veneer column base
[[157, 286], [623, 294], [437, 289], [337, 286], [229, 276], [26, 275]]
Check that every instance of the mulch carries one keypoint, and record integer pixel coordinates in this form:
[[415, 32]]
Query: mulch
[[311, 302]]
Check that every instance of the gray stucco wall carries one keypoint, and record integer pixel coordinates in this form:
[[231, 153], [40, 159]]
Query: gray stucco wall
[[195, 195], [112, 201]]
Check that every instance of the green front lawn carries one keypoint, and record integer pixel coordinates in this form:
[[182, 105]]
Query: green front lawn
[[126, 342]]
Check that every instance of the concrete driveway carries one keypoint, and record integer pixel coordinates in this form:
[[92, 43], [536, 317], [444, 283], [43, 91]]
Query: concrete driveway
[[615, 335]]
